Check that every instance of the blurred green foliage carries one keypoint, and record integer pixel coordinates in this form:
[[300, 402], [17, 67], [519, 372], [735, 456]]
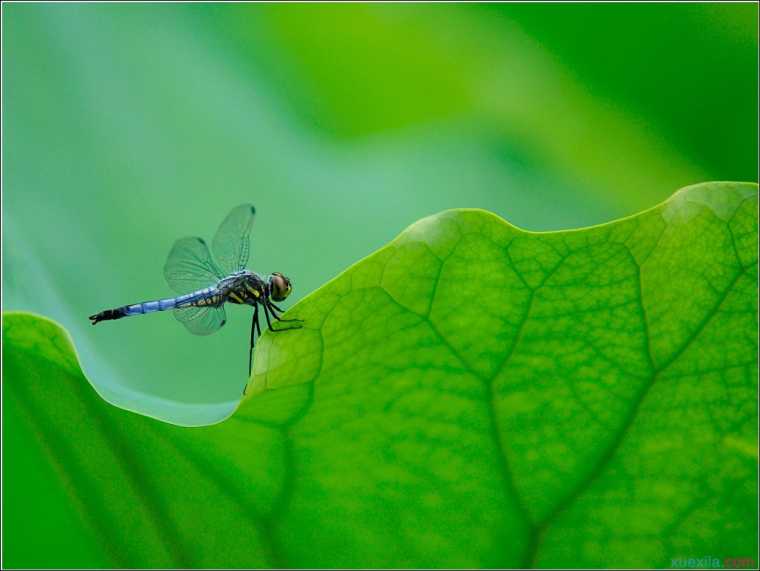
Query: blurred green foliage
[[128, 126]]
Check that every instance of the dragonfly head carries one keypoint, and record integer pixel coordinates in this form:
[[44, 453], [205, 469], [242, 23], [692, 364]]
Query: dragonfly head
[[280, 286]]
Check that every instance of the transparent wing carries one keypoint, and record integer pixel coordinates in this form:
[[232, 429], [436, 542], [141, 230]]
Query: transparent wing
[[190, 267], [201, 320], [232, 241]]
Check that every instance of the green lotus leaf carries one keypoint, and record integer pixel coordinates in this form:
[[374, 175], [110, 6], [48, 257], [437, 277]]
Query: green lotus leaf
[[470, 395]]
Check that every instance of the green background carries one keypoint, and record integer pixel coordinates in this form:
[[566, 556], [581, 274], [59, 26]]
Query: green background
[[126, 127]]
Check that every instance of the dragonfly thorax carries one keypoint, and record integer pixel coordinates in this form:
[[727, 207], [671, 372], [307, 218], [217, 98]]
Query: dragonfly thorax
[[250, 288], [244, 287]]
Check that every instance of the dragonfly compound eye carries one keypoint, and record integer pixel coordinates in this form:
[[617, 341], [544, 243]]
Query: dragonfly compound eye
[[281, 287]]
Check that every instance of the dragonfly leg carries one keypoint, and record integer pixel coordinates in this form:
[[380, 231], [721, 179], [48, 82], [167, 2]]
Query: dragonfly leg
[[269, 322], [274, 309], [289, 327], [266, 314], [254, 327]]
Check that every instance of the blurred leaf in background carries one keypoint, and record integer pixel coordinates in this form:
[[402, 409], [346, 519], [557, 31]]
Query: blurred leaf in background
[[128, 126]]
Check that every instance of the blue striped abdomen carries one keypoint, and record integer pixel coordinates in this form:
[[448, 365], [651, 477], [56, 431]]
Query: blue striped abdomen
[[207, 296]]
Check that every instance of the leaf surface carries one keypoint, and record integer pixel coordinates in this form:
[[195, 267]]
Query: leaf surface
[[472, 394]]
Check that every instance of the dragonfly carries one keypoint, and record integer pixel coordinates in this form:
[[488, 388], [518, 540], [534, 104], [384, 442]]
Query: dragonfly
[[206, 283]]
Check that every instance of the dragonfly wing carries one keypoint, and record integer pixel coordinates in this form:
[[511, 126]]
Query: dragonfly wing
[[201, 320], [190, 267], [232, 241]]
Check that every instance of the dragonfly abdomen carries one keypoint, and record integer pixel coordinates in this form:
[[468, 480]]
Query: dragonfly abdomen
[[200, 298], [203, 297], [150, 306]]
